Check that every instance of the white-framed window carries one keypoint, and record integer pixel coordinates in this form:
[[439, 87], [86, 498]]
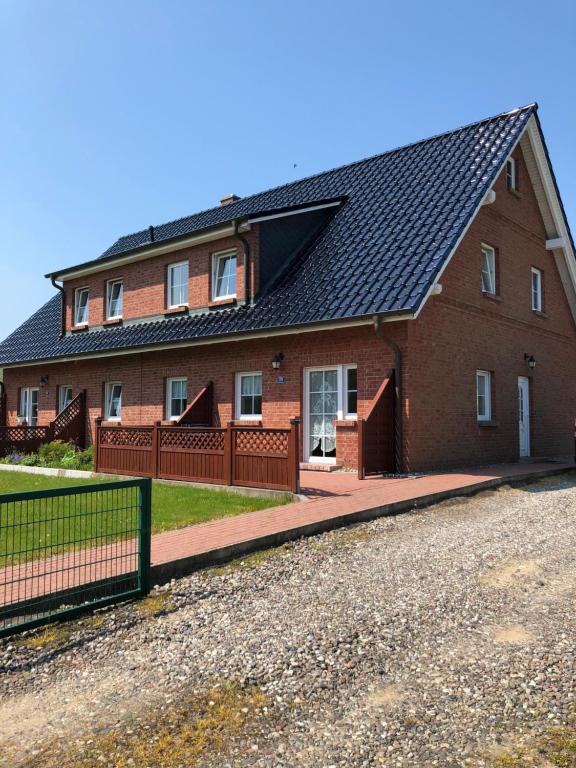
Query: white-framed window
[[64, 396], [511, 173], [81, 306], [28, 405], [350, 384], [224, 275], [488, 269], [176, 397], [536, 290], [178, 284], [114, 292], [113, 401], [484, 395], [249, 395]]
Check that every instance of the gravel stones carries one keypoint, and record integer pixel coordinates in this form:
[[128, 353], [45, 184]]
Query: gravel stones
[[419, 640]]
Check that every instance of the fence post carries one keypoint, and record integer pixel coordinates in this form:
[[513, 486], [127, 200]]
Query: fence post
[[154, 459], [144, 534], [97, 445], [361, 449], [83, 417], [228, 454], [294, 456]]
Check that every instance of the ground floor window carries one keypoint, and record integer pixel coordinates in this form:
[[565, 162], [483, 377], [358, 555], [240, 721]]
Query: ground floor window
[[484, 395], [249, 395], [330, 394], [113, 401], [28, 405], [64, 397], [176, 398]]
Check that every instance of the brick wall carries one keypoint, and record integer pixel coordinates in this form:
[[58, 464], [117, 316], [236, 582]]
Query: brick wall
[[461, 330], [143, 377], [145, 283]]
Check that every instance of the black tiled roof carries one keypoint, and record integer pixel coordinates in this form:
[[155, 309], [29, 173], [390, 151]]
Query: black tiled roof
[[403, 213]]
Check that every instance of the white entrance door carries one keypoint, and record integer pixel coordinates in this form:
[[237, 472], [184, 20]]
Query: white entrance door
[[321, 399], [524, 415]]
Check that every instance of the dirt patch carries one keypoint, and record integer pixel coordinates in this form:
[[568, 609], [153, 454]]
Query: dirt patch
[[513, 634], [512, 574], [388, 696]]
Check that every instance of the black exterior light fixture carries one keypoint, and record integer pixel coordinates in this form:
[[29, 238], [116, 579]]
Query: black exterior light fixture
[[277, 360], [44, 381], [530, 359]]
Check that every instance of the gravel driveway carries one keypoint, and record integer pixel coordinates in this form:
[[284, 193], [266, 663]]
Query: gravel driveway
[[428, 639]]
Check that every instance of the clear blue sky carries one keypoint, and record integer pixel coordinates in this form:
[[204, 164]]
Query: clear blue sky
[[118, 115]]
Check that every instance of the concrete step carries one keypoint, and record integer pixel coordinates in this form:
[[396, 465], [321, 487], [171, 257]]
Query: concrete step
[[311, 466]]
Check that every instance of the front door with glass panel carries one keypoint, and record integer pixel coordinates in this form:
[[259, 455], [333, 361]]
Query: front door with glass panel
[[322, 411]]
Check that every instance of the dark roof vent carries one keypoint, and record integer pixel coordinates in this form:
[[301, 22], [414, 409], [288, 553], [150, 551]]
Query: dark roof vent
[[227, 199], [151, 234]]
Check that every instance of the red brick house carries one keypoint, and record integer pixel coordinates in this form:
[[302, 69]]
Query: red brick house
[[431, 289]]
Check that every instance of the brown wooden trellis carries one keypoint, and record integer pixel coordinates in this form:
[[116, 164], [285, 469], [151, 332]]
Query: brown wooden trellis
[[234, 455]]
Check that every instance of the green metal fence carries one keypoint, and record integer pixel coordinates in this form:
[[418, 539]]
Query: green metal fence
[[67, 550]]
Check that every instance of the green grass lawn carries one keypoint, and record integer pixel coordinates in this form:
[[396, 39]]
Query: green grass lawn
[[46, 528]]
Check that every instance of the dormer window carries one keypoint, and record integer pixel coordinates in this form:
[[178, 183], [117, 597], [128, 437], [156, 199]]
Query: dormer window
[[81, 306], [224, 275], [511, 176], [114, 291], [178, 284]]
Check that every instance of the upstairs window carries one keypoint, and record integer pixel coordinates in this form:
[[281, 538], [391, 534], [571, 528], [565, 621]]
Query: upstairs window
[[249, 395], [81, 306], [224, 276], [536, 290], [511, 180], [483, 395], [176, 398], [178, 284], [114, 291], [488, 270], [113, 401], [64, 397]]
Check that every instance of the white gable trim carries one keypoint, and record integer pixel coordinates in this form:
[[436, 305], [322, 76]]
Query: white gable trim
[[560, 242]]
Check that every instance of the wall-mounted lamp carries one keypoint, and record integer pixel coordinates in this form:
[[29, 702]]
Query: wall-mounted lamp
[[530, 359], [277, 360], [44, 381]]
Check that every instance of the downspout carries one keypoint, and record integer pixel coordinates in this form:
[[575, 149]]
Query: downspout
[[246, 251], [63, 305], [398, 410]]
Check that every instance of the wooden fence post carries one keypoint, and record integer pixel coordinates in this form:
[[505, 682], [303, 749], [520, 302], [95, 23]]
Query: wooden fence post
[[294, 456], [229, 454], [155, 458], [83, 418], [361, 449], [97, 445]]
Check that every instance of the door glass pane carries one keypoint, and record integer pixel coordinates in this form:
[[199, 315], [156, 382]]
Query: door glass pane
[[33, 407], [323, 410]]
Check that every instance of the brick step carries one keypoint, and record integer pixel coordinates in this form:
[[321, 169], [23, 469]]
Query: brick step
[[313, 467]]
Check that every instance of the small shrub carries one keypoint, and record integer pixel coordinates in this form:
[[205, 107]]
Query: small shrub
[[15, 458], [51, 454], [86, 459], [31, 460]]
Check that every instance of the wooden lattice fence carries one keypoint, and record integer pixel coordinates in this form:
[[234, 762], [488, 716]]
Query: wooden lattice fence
[[234, 455]]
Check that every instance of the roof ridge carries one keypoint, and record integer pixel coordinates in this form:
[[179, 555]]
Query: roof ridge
[[533, 105]]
